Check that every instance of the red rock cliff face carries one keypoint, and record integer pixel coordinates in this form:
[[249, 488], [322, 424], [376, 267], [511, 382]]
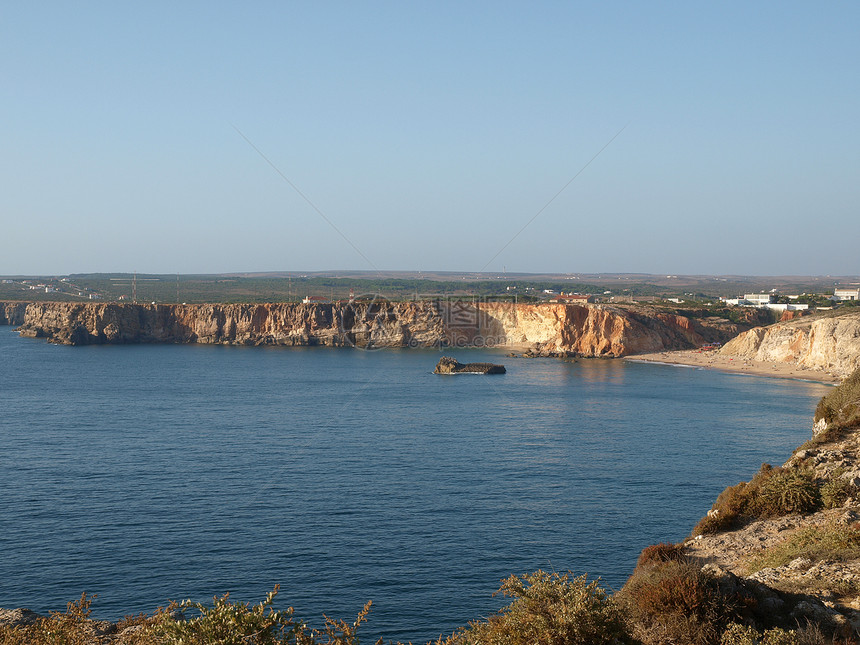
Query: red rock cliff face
[[588, 330], [584, 330]]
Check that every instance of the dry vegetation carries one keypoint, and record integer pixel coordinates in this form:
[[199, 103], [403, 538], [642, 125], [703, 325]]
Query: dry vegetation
[[186, 623], [841, 407], [668, 600], [773, 492]]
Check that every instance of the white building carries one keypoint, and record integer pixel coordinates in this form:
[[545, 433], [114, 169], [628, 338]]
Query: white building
[[763, 300], [759, 299], [750, 300], [846, 294], [787, 307]]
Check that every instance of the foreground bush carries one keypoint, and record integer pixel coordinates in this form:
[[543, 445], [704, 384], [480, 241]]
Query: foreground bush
[[225, 623], [550, 609], [676, 602], [663, 552], [666, 602], [733, 504], [841, 407], [773, 492], [737, 634], [835, 491], [74, 627], [786, 492]]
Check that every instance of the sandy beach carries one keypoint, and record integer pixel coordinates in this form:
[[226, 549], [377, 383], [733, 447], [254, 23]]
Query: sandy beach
[[714, 360]]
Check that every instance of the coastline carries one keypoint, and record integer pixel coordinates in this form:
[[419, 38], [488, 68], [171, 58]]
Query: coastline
[[734, 364]]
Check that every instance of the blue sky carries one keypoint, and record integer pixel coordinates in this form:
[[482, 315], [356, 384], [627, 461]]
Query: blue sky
[[428, 134]]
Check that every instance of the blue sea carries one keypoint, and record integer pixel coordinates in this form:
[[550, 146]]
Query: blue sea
[[145, 473]]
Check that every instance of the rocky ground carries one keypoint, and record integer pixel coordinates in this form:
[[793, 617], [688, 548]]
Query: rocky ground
[[826, 589], [821, 587]]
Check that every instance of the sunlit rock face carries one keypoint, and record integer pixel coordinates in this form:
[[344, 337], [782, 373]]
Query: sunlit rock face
[[544, 329], [827, 344]]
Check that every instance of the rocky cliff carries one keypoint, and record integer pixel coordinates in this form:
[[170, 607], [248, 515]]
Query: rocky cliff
[[586, 330], [547, 329], [12, 313], [830, 344], [796, 538]]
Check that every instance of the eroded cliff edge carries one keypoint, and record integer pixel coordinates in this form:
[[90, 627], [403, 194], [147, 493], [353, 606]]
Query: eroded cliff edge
[[830, 344], [12, 313], [549, 329]]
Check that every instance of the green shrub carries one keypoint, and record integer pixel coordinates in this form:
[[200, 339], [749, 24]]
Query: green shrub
[[726, 511], [786, 492], [779, 636], [549, 609], [227, 623], [734, 505], [830, 435], [73, 627], [773, 492], [841, 407], [737, 634], [835, 491]]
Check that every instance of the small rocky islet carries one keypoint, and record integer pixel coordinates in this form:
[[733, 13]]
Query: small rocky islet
[[448, 365]]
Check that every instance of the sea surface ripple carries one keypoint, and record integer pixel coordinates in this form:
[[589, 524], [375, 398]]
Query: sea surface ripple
[[147, 473]]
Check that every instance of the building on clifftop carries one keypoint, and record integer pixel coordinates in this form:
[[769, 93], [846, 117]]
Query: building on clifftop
[[846, 294], [572, 299]]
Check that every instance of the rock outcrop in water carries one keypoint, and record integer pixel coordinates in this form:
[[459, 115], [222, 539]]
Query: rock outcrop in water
[[448, 365], [545, 329], [830, 344]]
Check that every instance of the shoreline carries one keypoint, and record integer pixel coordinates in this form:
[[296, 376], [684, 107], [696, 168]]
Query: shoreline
[[714, 360]]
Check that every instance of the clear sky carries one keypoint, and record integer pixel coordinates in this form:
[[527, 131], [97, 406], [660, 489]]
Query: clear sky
[[429, 134]]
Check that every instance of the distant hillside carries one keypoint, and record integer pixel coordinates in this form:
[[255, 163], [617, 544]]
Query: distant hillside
[[293, 286]]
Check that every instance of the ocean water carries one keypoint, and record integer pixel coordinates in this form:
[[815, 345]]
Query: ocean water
[[148, 473]]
